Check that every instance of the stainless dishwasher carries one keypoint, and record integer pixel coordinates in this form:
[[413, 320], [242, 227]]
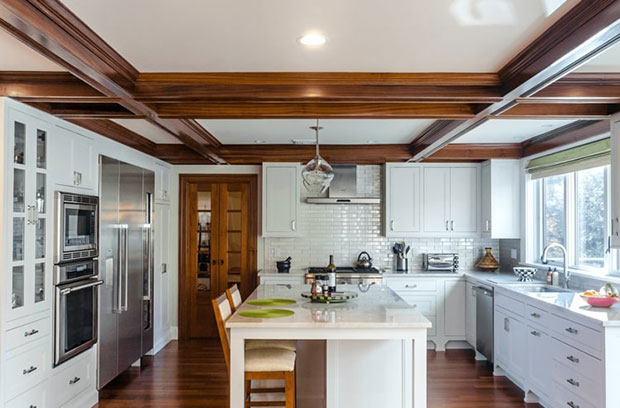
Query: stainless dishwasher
[[484, 321]]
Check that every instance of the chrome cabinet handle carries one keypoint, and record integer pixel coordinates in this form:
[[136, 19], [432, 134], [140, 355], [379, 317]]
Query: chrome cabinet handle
[[447, 225], [31, 333], [452, 225], [392, 225], [506, 324], [487, 225], [572, 331], [573, 359], [411, 286], [573, 382], [293, 227], [535, 315], [535, 333], [32, 406], [571, 404], [74, 381], [29, 370]]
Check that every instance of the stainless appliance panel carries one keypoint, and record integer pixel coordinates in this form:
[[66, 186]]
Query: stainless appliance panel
[[440, 262], [71, 272], [131, 213], [484, 321], [75, 325], [76, 227], [148, 261], [109, 296]]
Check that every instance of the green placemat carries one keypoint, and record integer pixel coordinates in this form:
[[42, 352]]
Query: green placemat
[[266, 313], [271, 302]]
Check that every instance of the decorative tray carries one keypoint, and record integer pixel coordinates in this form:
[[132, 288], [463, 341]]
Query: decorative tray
[[336, 297]]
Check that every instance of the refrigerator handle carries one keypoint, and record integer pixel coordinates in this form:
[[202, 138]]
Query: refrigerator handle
[[149, 254], [125, 268], [117, 272]]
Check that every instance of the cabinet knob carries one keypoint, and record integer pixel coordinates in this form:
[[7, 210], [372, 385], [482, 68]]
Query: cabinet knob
[[572, 331], [573, 382], [535, 315], [29, 370], [535, 333], [573, 359], [74, 381], [571, 404]]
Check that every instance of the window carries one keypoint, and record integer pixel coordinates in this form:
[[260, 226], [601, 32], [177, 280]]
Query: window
[[573, 210]]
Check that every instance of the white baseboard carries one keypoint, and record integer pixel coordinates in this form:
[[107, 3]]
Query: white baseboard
[[174, 332], [162, 341]]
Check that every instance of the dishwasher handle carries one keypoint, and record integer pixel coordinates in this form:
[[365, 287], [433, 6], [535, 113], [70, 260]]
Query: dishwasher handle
[[483, 291]]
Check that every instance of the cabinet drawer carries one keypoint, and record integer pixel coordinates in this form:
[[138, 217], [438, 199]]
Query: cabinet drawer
[[71, 381], [576, 359], [577, 335], [565, 398], [413, 285], [27, 333], [579, 384], [538, 316], [510, 304], [34, 397], [27, 369], [425, 304]]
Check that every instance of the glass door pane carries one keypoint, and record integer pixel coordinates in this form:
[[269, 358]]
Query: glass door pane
[[19, 190], [17, 283], [41, 193], [19, 148], [204, 242], [39, 282], [39, 249], [41, 149], [18, 239], [234, 233]]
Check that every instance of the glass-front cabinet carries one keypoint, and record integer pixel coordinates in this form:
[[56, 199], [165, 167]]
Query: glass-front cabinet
[[27, 286]]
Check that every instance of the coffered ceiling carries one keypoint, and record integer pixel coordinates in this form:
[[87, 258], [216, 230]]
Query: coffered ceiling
[[362, 35], [227, 82]]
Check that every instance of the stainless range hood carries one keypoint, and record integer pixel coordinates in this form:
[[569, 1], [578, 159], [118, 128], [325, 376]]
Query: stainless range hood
[[343, 189]]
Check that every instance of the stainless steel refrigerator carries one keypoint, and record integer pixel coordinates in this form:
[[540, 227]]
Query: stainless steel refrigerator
[[126, 266]]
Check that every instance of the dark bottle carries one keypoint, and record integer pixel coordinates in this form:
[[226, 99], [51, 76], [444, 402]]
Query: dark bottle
[[331, 275]]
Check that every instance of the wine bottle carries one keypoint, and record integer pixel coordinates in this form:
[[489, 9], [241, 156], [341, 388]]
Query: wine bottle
[[331, 275]]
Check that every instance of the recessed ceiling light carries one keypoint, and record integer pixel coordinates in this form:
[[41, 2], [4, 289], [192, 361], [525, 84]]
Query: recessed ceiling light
[[312, 39]]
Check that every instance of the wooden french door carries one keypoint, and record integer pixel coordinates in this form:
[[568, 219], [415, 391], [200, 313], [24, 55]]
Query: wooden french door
[[218, 230]]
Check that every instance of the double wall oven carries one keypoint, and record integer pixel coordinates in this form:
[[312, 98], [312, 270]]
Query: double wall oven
[[76, 277]]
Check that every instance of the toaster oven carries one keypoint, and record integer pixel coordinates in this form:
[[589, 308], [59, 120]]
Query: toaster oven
[[440, 262]]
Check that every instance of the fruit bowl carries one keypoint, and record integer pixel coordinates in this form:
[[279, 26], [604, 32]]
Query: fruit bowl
[[600, 300]]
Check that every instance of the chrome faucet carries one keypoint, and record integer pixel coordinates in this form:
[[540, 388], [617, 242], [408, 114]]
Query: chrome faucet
[[543, 258]]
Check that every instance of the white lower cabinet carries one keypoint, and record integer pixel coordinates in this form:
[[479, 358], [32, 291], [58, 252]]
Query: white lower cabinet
[[26, 369], [470, 314], [34, 397], [73, 379], [454, 310], [559, 356]]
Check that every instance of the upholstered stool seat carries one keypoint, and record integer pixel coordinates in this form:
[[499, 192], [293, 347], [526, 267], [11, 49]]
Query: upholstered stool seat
[[269, 359], [262, 344]]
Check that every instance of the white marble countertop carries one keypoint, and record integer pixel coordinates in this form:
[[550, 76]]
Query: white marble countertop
[[380, 307]]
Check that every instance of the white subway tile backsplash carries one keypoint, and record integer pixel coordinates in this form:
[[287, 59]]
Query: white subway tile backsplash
[[346, 230]]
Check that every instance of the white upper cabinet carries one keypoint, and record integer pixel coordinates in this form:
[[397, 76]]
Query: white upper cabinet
[[615, 180], [281, 199], [79, 168], [162, 182], [451, 197], [501, 199], [402, 199], [436, 205]]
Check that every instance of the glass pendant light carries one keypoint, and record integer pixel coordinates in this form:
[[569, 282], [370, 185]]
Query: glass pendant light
[[317, 174]]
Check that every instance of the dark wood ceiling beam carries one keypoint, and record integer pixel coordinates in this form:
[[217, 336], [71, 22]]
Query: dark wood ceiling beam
[[37, 84], [51, 29], [571, 133], [246, 110], [586, 30], [587, 111], [118, 133], [583, 86], [477, 151]]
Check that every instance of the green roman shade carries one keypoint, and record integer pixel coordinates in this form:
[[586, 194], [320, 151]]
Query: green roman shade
[[577, 158]]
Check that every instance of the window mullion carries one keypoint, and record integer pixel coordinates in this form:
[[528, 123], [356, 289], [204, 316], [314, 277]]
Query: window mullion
[[571, 219]]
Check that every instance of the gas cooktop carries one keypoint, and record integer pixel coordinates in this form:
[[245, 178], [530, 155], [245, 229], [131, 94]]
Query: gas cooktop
[[345, 269]]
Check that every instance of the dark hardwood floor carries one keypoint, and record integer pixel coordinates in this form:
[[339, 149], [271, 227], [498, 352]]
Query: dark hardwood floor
[[193, 374]]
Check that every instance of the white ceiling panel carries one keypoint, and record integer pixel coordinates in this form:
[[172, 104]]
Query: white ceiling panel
[[607, 61], [147, 130], [362, 35], [335, 131], [510, 130], [16, 56]]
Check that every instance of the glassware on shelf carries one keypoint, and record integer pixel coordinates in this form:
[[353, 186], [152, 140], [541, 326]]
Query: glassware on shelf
[[17, 296], [41, 149], [39, 282], [18, 239], [19, 189], [41, 193], [40, 239], [19, 149]]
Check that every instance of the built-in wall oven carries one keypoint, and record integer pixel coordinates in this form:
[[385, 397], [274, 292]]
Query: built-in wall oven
[[76, 227], [75, 308]]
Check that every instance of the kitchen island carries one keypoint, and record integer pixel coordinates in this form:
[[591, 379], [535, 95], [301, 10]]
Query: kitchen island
[[375, 345]]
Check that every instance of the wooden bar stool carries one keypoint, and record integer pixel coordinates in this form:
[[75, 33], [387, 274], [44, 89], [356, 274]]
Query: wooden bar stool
[[260, 364], [234, 298]]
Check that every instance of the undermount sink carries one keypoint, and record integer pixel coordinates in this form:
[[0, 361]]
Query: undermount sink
[[539, 288]]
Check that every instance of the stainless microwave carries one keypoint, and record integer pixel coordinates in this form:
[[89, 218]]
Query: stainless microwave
[[76, 227]]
